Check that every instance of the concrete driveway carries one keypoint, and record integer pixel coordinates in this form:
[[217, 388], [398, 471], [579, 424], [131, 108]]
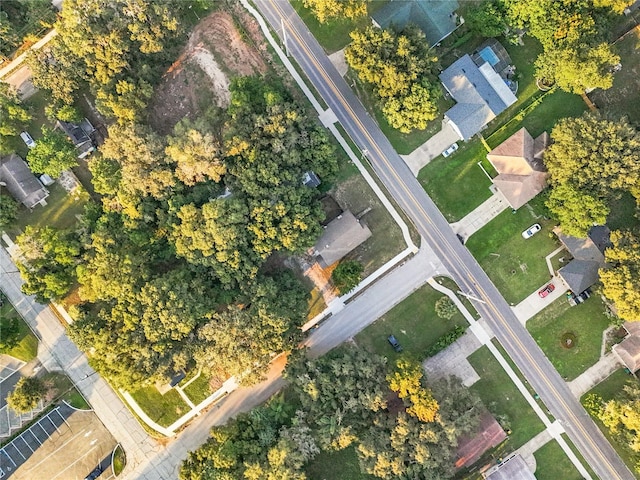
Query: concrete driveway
[[431, 148], [533, 304]]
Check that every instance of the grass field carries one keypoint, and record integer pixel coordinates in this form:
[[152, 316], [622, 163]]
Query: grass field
[[624, 97], [162, 409], [27, 347], [585, 322], [607, 390], [198, 390], [515, 265], [502, 398], [341, 465], [552, 463], [64, 389], [413, 322]]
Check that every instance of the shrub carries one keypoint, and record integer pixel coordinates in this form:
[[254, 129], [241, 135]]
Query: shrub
[[26, 395], [347, 275], [446, 340], [445, 308]]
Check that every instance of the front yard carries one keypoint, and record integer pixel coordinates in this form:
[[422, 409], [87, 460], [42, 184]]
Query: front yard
[[516, 266], [413, 322], [552, 463], [582, 324], [25, 347]]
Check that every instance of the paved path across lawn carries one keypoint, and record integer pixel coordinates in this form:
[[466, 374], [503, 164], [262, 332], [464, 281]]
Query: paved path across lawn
[[594, 375], [533, 304], [478, 218], [430, 149]]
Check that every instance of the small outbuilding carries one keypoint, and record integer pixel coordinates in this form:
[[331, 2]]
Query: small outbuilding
[[21, 183], [340, 237]]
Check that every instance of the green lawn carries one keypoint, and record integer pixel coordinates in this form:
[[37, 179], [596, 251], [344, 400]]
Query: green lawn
[[198, 390], [607, 390], [341, 465], [552, 463], [624, 97], [64, 389], [457, 184], [334, 35], [27, 347], [413, 322], [623, 213], [515, 265], [119, 460], [502, 398], [585, 322], [162, 409]]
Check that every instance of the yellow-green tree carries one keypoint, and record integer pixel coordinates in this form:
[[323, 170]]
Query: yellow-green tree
[[406, 381], [621, 281], [328, 10]]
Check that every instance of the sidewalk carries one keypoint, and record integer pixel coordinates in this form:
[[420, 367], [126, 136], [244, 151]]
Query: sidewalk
[[474, 221]]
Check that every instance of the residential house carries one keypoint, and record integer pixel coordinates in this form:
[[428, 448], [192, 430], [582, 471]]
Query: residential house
[[481, 94], [340, 236], [310, 179], [21, 183], [588, 257], [521, 171], [488, 435], [436, 18], [628, 351], [79, 135]]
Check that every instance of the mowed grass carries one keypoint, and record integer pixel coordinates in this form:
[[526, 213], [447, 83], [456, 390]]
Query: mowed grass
[[552, 463], [26, 348], [586, 321], [608, 390], [198, 390], [413, 322], [162, 409], [340, 465], [334, 35], [623, 98], [623, 213], [515, 265], [502, 398]]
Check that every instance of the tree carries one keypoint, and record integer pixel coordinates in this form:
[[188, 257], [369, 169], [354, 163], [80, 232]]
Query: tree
[[105, 175], [400, 70], [487, 18], [329, 10], [406, 382], [576, 210], [621, 281], [10, 327], [347, 275], [26, 394], [8, 210], [445, 308], [53, 154], [48, 262], [622, 416], [13, 116]]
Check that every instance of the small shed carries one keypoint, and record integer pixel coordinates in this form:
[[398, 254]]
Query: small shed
[[340, 237], [21, 183]]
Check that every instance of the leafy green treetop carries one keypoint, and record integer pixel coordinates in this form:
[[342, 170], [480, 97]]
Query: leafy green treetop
[[53, 154], [335, 10]]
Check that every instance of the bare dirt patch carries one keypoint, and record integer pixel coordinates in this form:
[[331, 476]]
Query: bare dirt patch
[[220, 47]]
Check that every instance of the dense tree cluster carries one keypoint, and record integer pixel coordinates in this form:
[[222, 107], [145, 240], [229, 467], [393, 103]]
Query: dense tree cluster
[[13, 116], [621, 280], [22, 21], [400, 70], [328, 10]]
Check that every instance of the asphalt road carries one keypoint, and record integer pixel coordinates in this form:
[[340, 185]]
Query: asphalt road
[[409, 194]]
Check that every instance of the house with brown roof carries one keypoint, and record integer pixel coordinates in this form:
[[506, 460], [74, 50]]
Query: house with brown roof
[[21, 183], [628, 351], [340, 236], [588, 257], [519, 163]]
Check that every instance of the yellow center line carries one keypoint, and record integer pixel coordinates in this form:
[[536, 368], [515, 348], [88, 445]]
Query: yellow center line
[[421, 219]]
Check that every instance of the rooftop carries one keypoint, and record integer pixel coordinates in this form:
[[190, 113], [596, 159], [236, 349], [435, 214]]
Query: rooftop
[[340, 237], [21, 183]]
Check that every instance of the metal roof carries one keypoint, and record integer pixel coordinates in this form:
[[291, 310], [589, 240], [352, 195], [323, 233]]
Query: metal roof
[[21, 182]]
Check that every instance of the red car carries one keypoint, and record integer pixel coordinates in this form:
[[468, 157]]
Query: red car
[[547, 290]]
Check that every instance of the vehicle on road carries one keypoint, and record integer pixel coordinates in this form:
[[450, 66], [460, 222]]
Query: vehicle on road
[[450, 150], [27, 139], [394, 343], [547, 290], [531, 231]]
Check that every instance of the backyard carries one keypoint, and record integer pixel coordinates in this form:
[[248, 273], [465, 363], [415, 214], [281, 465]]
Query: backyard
[[571, 337], [25, 347], [340, 465], [552, 463], [504, 401], [516, 266], [413, 322]]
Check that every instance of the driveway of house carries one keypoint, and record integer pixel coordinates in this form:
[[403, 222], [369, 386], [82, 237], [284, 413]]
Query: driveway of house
[[453, 360], [431, 148], [478, 218], [533, 304]]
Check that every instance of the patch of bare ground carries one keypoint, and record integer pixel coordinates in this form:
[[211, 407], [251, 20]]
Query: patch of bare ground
[[219, 48]]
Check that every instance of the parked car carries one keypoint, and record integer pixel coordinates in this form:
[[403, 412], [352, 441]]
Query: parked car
[[547, 290], [26, 138], [394, 343], [450, 150], [531, 231], [95, 473]]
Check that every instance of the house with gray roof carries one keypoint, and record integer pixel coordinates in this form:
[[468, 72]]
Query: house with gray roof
[[340, 236], [79, 135], [436, 18], [588, 258], [481, 94], [21, 183]]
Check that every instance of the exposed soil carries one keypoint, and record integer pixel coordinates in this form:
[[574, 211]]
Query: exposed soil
[[218, 49]]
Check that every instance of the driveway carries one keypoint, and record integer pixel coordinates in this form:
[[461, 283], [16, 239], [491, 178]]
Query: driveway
[[431, 148], [533, 304], [453, 360]]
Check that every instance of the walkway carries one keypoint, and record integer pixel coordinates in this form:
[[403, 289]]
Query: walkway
[[533, 304], [474, 221], [429, 150], [594, 375]]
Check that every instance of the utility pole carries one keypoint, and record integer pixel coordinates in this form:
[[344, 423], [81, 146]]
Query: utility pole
[[471, 297], [284, 37]]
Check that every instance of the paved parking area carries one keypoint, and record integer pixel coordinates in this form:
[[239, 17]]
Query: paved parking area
[[64, 444]]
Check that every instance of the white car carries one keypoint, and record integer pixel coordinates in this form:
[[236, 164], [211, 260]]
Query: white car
[[26, 138], [531, 231], [450, 150]]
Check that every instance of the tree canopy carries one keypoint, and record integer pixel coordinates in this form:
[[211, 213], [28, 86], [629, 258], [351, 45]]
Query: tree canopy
[[53, 154], [332, 10], [13, 116], [26, 394], [621, 280]]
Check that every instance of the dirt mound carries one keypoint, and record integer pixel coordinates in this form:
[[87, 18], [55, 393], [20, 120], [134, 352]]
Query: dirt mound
[[220, 47]]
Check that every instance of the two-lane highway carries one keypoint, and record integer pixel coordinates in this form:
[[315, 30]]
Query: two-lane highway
[[434, 228]]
